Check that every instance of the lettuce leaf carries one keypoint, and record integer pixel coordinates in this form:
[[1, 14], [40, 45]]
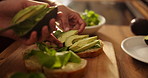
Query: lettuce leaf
[[50, 58], [27, 75]]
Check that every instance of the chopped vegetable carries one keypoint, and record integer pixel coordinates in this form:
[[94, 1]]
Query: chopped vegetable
[[50, 58], [90, 17]]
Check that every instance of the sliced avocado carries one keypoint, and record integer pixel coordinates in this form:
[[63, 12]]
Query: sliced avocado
[[87, 46], [82, 42], [67, 34], [50, 12], [146, 39], [70, 40], [27, 13], [33, 22]]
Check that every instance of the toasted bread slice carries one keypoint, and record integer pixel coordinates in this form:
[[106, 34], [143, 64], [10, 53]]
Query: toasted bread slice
[[31, 64], [91, 52], [71, 70]]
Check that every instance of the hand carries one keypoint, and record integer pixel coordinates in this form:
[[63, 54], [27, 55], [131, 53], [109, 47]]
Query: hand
[[45, 36], [8, 12], [70, 20]]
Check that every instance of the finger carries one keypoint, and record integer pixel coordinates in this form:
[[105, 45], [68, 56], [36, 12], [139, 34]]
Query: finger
[[64, 23], [59, 24], [45, 33], [82, 25], [53, 39], [32, 39], [76, 27], [52, 25], [60, 14]]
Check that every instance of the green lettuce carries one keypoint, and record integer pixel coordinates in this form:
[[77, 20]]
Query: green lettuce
[[50, 58], [90, 17]]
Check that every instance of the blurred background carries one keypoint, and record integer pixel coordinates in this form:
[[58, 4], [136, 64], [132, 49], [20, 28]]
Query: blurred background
[[116, 12]]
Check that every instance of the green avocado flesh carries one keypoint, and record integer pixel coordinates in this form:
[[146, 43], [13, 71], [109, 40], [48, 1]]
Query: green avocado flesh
[[78, 43], [27, 13], [70, 40], [82, 42], [67, 34], [32, 18], [87, 46]]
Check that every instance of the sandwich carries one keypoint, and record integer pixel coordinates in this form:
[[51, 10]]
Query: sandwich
[[53, 64], [83, 45]]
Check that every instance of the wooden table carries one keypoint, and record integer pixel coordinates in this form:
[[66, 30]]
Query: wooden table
[[128, 67]]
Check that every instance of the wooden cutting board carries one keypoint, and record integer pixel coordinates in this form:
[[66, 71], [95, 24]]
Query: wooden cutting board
[[102, 66]]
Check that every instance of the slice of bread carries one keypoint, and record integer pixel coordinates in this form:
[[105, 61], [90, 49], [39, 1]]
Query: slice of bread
[[71, 70], [91, 52], [31, 64]]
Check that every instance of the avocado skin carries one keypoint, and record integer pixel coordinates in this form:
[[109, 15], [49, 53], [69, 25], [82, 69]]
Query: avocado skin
[[139, 26], [43, 22], [146, 39]]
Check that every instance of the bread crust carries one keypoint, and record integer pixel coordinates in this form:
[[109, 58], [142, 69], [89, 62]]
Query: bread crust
[[90, 53]]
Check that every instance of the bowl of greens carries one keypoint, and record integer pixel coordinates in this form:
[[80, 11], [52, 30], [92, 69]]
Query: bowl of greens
[[93, 21]]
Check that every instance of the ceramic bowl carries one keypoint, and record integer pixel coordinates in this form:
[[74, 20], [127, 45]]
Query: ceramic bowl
[[92, 29]]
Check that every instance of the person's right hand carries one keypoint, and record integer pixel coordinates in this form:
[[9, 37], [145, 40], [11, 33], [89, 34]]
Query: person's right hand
[[8, 12], [70, 19]]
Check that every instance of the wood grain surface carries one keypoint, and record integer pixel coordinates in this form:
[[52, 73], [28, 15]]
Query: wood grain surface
[[128, 67], [102, 66]]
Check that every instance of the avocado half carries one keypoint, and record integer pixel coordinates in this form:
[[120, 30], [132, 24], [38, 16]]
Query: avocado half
[[44, 21], [146, 39], [32, 18]]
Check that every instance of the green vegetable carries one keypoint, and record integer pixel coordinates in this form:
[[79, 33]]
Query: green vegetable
[[31, 19], [50, 58], [90, 17], [74, 58], [62, 49], [57, 33], [27, 75]]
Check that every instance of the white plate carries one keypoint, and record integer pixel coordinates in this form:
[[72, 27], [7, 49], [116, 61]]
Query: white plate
[[136, 48]]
